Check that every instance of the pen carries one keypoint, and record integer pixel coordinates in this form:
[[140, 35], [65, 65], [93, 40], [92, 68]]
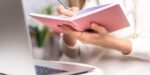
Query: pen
[[61, 3]]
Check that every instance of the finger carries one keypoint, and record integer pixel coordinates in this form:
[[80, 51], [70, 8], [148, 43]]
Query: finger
[[101, 30], [88, 35], [69, 31], [57, 14], [61, 10], [62, 29], [74, 9], [66, 29]]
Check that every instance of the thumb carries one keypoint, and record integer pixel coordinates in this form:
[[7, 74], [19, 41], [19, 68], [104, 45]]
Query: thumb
[[101, 30], [66, 29]]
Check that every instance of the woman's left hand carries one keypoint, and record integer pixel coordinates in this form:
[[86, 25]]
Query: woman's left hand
[[98, 36], [101, 38]]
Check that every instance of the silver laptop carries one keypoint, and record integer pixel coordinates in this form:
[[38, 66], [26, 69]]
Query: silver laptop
[[15, 46]]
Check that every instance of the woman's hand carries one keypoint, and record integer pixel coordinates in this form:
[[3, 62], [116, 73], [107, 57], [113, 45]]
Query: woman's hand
[[99, 37], [68, 36], [60, 10]]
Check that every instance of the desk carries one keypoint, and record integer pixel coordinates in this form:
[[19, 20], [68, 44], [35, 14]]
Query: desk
[[96, 70]]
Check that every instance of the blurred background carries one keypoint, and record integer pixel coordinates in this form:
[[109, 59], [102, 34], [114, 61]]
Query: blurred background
[[45, 42]]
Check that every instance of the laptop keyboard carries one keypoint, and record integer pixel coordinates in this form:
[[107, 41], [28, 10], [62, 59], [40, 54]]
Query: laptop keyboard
[[40, 70], [2, 74]]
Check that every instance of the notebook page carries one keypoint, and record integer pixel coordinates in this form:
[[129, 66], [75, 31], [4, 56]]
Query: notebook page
[[87, 10], [50, 16]]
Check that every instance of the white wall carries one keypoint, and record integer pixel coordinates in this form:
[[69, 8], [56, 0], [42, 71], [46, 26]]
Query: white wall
[[31, 6]]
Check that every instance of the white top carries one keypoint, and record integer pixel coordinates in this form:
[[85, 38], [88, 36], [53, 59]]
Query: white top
[[111, 61]]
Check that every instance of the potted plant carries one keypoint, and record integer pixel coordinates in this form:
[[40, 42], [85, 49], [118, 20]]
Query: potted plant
[[40, 33]]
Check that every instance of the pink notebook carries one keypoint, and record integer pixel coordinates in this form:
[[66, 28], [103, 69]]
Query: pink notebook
[[109, 16]]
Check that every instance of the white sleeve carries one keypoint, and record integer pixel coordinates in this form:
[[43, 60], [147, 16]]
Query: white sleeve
[[80, 50], [63, 44], [141, 44], [140, 48], [69, 51]]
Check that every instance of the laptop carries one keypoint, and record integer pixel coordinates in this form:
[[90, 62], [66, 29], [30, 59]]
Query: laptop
[[15, 46]]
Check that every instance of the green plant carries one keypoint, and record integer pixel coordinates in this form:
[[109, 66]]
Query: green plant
[[47, 10], [40, 35]]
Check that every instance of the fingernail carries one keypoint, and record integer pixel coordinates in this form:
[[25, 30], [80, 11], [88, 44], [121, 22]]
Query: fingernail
[[93, 25]]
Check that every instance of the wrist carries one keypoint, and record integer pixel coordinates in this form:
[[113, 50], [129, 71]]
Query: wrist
[[69, 40], [122, 45]]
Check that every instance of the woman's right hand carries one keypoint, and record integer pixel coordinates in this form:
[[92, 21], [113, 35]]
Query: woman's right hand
[[69, 34], [60, 10]]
